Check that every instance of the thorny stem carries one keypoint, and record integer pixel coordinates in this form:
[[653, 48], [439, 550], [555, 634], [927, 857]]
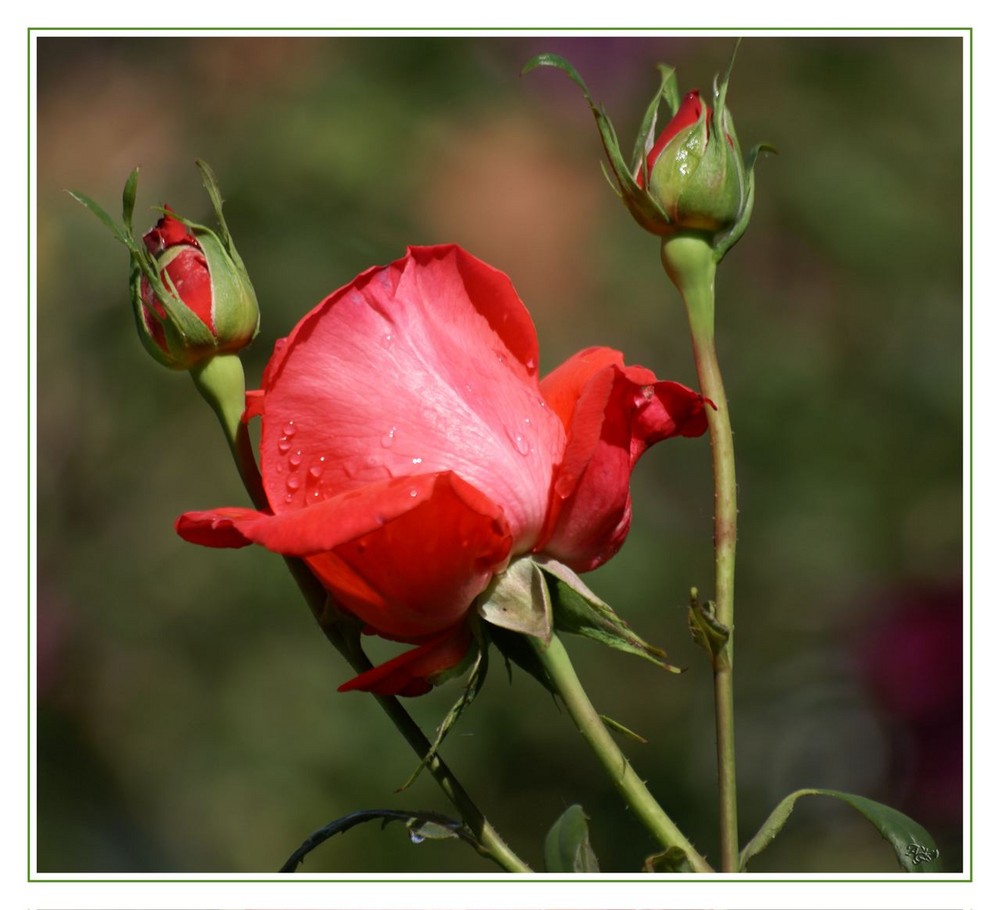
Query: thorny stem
[[690, 263], [557, 664], [221, 383]]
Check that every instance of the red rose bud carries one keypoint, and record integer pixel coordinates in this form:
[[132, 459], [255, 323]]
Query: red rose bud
[[694, 172], [692, 179], [191, 294]]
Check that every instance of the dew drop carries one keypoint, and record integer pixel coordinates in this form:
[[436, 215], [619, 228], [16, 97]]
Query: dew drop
[[416, 838], [293, 483], [530, 363], [316, 471], [296, 459], [386, 340], [413, 491], [389, 438], [288, 497], [417, 460], [520, 442], [284, 445], [290, 428]]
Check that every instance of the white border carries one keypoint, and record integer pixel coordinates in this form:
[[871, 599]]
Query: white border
[[398, 891]]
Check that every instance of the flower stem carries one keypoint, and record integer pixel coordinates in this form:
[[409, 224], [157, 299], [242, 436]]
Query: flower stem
[[690, 263], [557, 664], [221, 383]]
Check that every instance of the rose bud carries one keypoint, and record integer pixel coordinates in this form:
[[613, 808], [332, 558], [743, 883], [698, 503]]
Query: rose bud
[[191, 294], [694, 172], [693, 179]]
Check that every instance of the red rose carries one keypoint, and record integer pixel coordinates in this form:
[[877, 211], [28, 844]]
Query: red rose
[[409, 452]]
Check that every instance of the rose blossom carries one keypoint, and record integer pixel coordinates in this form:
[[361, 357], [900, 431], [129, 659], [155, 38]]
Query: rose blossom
[[409, 452]]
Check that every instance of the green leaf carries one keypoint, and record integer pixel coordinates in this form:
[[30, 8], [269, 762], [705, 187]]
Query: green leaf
[[518, 599], [578, 610], [567, 845], [914, 847], [673, 859]]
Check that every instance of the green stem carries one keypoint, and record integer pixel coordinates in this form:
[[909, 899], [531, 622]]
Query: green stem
[[221, 383], [690, 263], [592, 728]]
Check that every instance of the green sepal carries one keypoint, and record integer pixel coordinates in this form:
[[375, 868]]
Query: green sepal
[[95, 209], [473, 683], [518, 599], [708, 633], [578, 610], [724, 242], [643, 208], [567, 845], [128, 199], [646, 138], [673, 859], [516, 649], [914, 847]]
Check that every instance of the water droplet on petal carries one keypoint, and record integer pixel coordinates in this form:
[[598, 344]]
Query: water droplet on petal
[[416, 838], [290, 428], [284, 445], [386, 340], [417, 460], [288, 497], [413, 491], [530, 363], [316, 471], [389, 438], [520, 442], [296, 459], [293, 483]]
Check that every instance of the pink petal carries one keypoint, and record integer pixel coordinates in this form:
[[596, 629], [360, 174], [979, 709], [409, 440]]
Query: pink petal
[[407, 556], [612, 414], [426, 365]]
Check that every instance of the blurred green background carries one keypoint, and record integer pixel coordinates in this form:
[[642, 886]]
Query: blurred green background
[[188, 719]]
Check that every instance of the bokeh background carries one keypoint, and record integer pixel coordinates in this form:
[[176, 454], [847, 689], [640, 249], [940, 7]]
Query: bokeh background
[[188, 719]]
